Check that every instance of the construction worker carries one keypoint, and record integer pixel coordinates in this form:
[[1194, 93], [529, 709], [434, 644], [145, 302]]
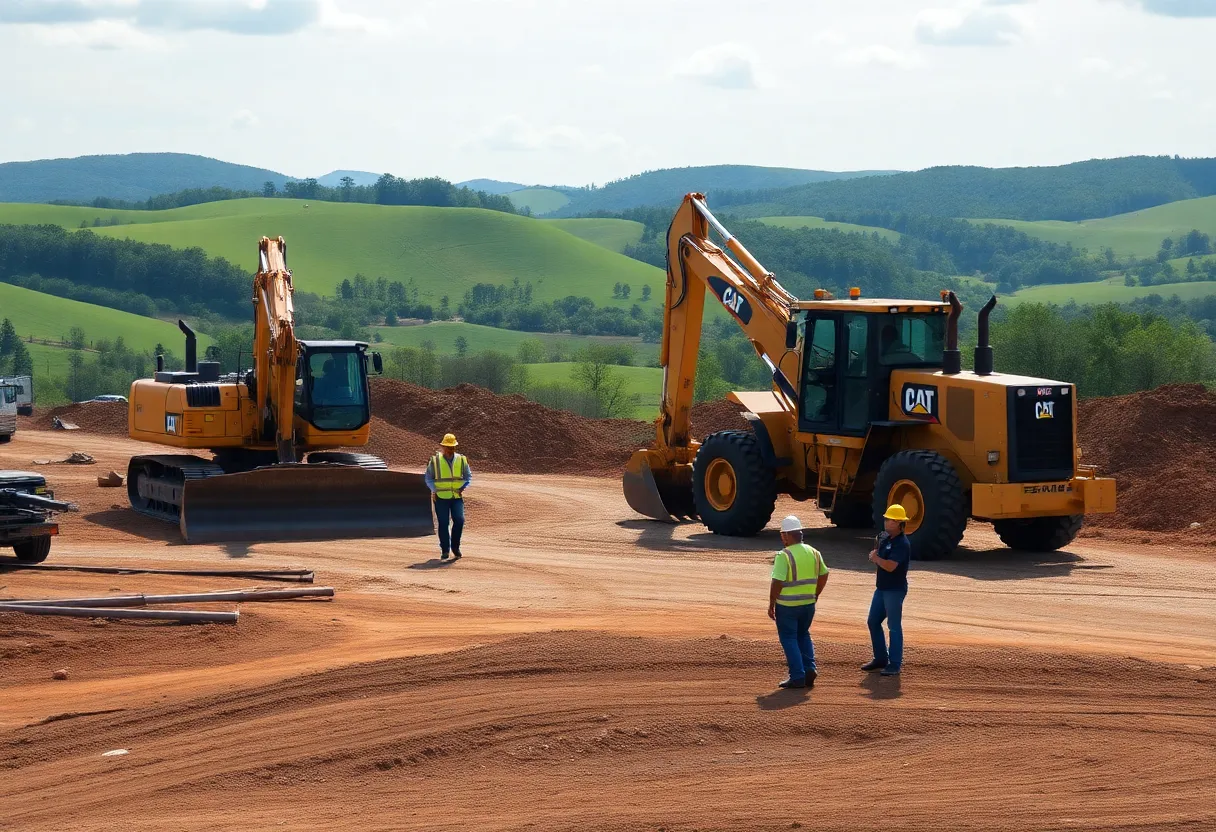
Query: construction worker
[[799, 576], [891, 555], [447, 475]]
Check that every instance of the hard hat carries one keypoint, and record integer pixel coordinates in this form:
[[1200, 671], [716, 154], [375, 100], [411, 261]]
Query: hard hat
[[896, 512], [449, 440], [791, 524]]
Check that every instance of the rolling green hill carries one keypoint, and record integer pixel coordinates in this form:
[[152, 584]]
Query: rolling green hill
[[1082, 190], [1107, 291], [539, 201], [819, 222], [443, 335], [1135, 234], [48, 317], [133, 176], [610, 233], [445, 250], [668, 186]]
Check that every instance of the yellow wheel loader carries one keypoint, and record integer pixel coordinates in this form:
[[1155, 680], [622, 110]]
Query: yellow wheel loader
[[272, 474], [869, 406]]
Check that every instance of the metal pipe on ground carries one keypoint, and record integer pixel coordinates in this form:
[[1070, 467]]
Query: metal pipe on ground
[[234, 595], [304, 576], [181, 616]]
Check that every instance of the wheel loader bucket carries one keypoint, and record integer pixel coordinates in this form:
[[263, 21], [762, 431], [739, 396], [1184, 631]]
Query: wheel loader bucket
[[305, 502], [657, 493]]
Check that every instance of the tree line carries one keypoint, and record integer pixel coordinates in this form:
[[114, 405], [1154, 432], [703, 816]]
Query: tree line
[[388, 190], [15, 357], [513, 307]]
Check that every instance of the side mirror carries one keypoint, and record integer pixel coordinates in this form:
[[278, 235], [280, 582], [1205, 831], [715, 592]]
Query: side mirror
[[378, 363], [791, 335]]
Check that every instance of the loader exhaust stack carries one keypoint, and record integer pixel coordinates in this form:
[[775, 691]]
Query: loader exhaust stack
[[952, 359], [983, 351]]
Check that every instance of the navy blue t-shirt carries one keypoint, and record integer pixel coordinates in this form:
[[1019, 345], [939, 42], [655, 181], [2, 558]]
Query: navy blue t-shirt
[[899, 550]]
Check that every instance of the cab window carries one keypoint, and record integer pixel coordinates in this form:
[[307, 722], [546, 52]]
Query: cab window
[[911, 339]]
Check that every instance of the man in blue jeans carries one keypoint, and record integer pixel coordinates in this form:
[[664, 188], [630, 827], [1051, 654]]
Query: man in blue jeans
[[447, 475], [799, 575], [892, 556]]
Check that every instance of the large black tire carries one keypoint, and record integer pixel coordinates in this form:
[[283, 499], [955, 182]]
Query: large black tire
[[944, 502], [5, 437], [34, 550], [1039, 534], [850, 513], [755, 484]]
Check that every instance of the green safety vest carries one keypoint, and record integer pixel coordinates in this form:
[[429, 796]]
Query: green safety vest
[[448, 476], [804, 565]]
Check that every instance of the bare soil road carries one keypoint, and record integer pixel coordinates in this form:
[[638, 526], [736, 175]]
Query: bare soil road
[[584, 669]]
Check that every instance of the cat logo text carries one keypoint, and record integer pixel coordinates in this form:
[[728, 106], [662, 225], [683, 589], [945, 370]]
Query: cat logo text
[[1044, 410], [920, 402]]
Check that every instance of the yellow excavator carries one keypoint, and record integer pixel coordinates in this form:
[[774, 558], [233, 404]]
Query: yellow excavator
[[273, 474], [869, 406]]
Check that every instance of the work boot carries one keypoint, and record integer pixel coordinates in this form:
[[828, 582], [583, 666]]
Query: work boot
[[456, 554], [874, 665], [889, 671], [443, 556], [811, 676], [792, 683]]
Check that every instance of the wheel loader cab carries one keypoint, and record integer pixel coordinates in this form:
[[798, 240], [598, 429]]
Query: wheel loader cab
[[848, 357], [331, 385]]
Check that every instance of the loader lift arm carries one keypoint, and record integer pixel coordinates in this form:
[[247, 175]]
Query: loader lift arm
[[657, 480]]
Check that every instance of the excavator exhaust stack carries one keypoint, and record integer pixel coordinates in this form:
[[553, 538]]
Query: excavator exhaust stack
[[305, 502], [663, 493]]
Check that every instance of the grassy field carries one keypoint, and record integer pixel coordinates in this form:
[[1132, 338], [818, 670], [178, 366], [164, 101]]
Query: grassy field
[[610, 233], [1137, 234], [641, 383], [1107, 291], [540, 200], [445, 250], [443, 335], [816, 222], [49, 317]]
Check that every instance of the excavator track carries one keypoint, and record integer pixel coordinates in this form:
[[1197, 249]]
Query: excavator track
[[155, 483]]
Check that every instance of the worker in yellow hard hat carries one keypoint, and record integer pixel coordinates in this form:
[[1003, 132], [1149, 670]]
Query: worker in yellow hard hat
[[447, 475], [891, 554]]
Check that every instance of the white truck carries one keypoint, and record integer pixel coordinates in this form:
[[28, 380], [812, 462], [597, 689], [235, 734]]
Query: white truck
[[8, 410], [25, 393]]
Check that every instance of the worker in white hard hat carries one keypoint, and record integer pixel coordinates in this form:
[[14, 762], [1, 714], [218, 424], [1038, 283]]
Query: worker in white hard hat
[[447, 475], [891, 555], [799, 576]]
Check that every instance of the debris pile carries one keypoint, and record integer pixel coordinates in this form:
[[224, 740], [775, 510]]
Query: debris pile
[[1160, 448]]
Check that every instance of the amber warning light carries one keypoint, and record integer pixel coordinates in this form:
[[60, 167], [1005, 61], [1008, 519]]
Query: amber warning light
[[855, 293]]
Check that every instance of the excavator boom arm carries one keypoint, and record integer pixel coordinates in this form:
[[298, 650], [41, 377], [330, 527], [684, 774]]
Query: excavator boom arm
[[275, 346]]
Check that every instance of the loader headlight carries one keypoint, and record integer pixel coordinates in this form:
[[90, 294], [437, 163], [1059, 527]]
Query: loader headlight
[[994, 457]]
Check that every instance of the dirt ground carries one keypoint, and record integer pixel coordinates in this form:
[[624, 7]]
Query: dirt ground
[[585, 669]]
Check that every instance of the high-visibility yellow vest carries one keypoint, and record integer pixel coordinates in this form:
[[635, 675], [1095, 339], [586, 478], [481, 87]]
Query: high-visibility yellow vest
[[449, 476], [804, 565]]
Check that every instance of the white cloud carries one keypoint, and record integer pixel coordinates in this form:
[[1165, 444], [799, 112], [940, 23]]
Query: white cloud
[[979, 26], [730, 66], [246, 17], [244, 120], [1096, 66], [332, 17], [879, 55], [105, 35], [24, 123], [514, 134]]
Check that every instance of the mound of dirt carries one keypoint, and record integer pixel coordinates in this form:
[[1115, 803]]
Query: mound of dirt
[[104, 418], [508, 434], [1160, 448], [711, 417]]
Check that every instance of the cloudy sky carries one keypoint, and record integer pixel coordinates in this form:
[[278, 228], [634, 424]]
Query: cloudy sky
[[577, 91]]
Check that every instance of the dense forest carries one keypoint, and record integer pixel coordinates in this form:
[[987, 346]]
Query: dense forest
[[1082, 190]]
